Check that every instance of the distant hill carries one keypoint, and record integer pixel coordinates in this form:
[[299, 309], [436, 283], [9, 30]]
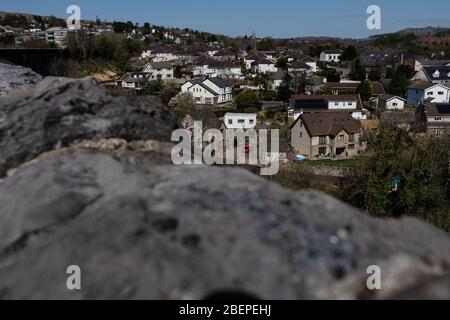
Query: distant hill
[[420, 32], [432, 31], [28, 15]]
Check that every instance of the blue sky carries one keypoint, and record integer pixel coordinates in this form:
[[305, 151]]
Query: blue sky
[[281, 18]]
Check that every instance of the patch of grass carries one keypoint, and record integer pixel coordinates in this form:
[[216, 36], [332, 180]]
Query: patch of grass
[[352, 163]]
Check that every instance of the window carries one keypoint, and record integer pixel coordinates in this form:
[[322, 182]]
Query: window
[[437, 119], [351, 138], [395, 104], [322, 151], [336, 103], [441, 93], [429, 93], [350, 103], [323, 140], [301, 134], [252, 121], [241, 121], [351, 147], [230, 121]]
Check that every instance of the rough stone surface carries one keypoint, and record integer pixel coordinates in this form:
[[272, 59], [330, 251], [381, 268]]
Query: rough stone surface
[[59, 111], [437, 288], [14, 77], [142, 229]]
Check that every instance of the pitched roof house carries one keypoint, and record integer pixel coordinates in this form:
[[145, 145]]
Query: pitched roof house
[[159, 70], [434, 118], [421, 92], [434, 75], [390, 102], [210, 91], [263, 66], [331, 56], [327, 134], [351, 104]]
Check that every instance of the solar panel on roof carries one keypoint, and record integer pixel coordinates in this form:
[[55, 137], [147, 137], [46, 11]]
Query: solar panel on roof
[[310, 104], [443, 108]]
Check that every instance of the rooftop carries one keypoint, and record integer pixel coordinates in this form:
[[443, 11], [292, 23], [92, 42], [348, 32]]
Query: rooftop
[[330, 123]]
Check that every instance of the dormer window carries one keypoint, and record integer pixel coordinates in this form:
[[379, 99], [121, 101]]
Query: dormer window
[[436, 74]]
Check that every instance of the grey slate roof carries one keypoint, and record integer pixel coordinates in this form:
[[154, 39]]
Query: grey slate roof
[[443, 73]]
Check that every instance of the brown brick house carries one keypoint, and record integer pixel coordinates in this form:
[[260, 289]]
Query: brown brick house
[[327, 134]]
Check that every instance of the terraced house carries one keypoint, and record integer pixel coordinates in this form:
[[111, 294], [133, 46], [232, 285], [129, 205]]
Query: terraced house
[[327, 135]]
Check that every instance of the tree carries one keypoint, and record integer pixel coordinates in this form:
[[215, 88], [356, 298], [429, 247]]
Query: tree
[[262, 80], [266, 44], [154, 87], [365, 90], [282, 63], [146, 29], [121, 27], [7, 40], [247, 99], [53, 21], [15, 21], [375, 75], [177, 71], [332, 75], [405, 177], [184, 105], [358, 72], [400, 82], [350, 53], [285, 91]]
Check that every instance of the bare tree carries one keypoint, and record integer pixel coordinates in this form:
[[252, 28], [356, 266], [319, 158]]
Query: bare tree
[[184, 106]]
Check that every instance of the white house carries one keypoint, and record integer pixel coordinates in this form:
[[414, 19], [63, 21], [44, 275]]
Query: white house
[[249, 59], [390, 102], [159, 70], [159, 53], [263, 66], [224, 69], [222, 87], [276, 79], [57, 35], [331, 56], [312, 65], [132, 83], [240, 121], [209, 91], [426, 91]]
